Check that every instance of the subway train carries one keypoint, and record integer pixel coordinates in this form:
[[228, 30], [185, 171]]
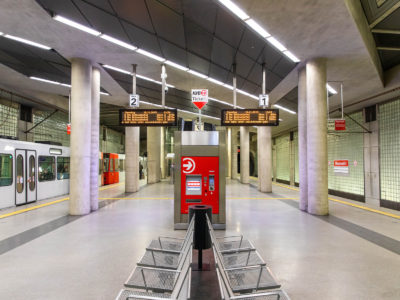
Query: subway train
[[35, 171]]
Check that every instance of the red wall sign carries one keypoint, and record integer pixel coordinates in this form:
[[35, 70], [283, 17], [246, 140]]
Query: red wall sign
[[340, 124], [341, 163]]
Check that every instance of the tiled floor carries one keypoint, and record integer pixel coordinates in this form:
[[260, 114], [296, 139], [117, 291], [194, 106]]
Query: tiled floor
[[349, 255]]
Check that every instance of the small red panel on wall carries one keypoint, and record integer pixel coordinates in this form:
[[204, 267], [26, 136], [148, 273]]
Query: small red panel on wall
[[340, 125], [199, 182]]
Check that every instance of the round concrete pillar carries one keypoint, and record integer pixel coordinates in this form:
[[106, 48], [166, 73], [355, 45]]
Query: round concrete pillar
[[244, 154], [302, 125], [317, 149], [95, 140], [81, 80]]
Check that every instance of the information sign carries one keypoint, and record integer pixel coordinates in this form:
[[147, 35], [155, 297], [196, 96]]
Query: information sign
[[200, 97], [148, 117], [133, 100], [250, 117]]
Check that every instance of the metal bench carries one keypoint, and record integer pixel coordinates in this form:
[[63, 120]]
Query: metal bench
[[156, 283], [172, 243], [164, 257]]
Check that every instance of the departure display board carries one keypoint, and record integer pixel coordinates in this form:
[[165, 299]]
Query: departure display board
[[148, 117], [250, 117]]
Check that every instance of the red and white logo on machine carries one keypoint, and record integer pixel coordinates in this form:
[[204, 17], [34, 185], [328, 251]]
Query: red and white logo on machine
[[188, 165]]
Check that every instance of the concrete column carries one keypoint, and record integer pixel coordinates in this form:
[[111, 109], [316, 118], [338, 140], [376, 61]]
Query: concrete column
[[274, 162], [132, 142], [81, 99], [302, 126], [153, 154], [95, 141], [371, 164], [291, 160], [317, 148], [234, 160], [264, 150], [163, 161], [244, 154], [229, 152]]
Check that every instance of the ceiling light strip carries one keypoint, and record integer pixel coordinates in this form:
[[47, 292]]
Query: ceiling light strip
[[58, 83], [25, 41], [285, 109], [149, 54], [331, 89]]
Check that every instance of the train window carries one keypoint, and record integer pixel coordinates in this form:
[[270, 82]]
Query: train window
[[121, 165], [116, 165], [100, 166], [47, 168], [20, 173], [32, 173], [62, 168], [106, 161], [6, 169]]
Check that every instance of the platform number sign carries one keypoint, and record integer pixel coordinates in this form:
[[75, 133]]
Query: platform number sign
[[263, 100], [134, 100]]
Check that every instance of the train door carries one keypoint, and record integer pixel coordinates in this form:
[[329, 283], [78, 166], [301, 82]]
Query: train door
[[25, 176]]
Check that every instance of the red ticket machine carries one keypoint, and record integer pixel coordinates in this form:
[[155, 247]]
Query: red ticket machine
[[199, 182], [199, 175]]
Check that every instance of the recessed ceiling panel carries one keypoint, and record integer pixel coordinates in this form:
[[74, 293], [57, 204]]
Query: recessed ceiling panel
[[198, 64], [168, 24], [251, 44], [255, 74], [272, 80], [222, 53], [228, 28], [65, 8], [218, 73], [141, 38], [173, 4], [134, 12], [103, 4], [270, 56], [201, 12], [102, 21], [243, 64], [389, 59], [198, 40], [283, 67], [173, 53]]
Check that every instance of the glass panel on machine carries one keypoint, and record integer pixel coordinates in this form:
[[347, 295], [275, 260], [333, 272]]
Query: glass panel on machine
[[193, 185], [63, 168], [211, 183], [32, 173], [47, 168], [20, 174], [6, 169]]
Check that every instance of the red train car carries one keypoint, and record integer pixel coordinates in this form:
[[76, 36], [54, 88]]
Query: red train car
[[110, 168]]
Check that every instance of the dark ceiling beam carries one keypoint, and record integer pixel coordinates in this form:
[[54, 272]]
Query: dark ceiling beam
[[385, 15], [388, 48], [385, 31]]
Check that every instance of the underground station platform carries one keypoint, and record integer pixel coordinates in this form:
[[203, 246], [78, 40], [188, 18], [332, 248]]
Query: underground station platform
[[199, 149]]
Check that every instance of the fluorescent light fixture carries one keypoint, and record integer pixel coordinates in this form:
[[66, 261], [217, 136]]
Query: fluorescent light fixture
[[235, 9], [254, 97], [257, 28], [175, 65], [118, 42], [229, 86], [117, 69], [170, 85], [331, 89], [65, 84], [1, 33], [215, 81], [243, 92], [197, 74], [274, 42], [145, 78], [151, 55], [291, 56], [104, 93], [45, 80], [76, 25], [25, 41], [285, 109], [223, 102]]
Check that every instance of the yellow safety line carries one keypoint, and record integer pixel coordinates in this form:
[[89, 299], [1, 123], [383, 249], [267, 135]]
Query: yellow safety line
[[32, 208], [17, 212], [351, 204]]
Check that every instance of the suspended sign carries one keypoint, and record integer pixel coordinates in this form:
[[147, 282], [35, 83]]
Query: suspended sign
[[200, 97], [68, 129], [249, 117], [341, 167], [336, 125], [263, 100], [134, 100], [148, 117]]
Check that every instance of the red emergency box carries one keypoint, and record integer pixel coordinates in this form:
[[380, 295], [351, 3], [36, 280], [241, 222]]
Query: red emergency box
[[199, 182]]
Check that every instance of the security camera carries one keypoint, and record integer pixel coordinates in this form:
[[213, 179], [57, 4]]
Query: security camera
[[166, 89]]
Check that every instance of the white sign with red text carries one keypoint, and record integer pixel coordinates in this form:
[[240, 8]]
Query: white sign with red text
[[341, 167], [200, 97]]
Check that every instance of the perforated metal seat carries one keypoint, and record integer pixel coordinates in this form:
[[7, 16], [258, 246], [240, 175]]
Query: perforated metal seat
[[160, 259], [126, 294], [241, 259], [158, 280]]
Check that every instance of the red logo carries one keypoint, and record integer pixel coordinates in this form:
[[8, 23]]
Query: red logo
[[204, 92]]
